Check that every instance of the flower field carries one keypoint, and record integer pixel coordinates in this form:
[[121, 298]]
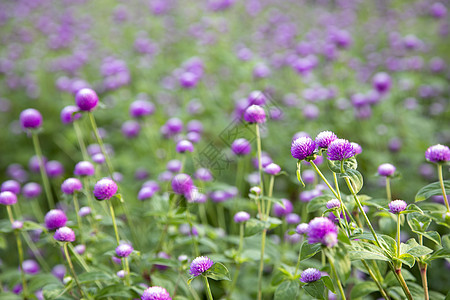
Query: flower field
[[224, 149]]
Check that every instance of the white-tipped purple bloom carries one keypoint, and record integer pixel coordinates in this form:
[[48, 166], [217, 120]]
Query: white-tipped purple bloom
[[241, 147], [30, 266], [174, 165], [310, 275], [54, 169], [11, 186], [340, 149], [86, 99], [145, 193], [200, 265], [438, 154], [184, 146], [182, 184], [84, 211], [105, 188], [324, 139], [322, 230], [156, 293], [55, 218], [30, 118], [357, 148], [302, 147], [124, 250], [292, 218], [71, 185], [203, 174], [397, 206], [84, 168], [333, 203], [68, 114], [272, 169], [255, 114], [131, 129], [141, 108], [302, 228], [241, 216], [386, 170], [64, 234]]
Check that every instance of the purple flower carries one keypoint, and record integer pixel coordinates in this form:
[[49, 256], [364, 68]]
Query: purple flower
[[174, 126], [333, 203], [131, 129], [184, 146], [59, 271], [255, 114], [386, 170], [84, 211], [55, 218], [282, 210], [255, 190], [200, 265], [324, 139], [292, 218], [302, 147], [438, 153], [86, 99], [241, 216], [438, 10], [54, 169], [31, 190], [11, 186], [30, 118], [340, 149], [141, 108], [68, 114], [145, 193], [188, 80], [174, 165], [156, 293], [124, 250], [84, 168], [257, 98], [203, 174], [64, 234], [8, 198], [322, 230], [98, 158], [30, 267], [310, 275], [309, 176], [71, 185], [194, 126], [120, 274], [80, 249], [272, 169], [302, 228], [382, 82], [397, 206], [17, 225], [182, 184], [357, 148], [105, 188], [241, 147]]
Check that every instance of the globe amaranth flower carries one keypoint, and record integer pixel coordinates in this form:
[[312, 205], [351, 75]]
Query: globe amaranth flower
[[241, 216], [184, 146], [255, 114], [31, 190], [30, 266], [302, 147], [282, 210], [174, 165], [84, 168], [54, 219], [356, 147], [241, 147], [145, 193], [200, 265], [382, 82], [8, 198], [302, 228], [333, 203], [30, 118], [310, 275], [272, 169], [59, 271], [64, 234], [203, 174], [17, 224], [340, 149], [156, 293], [322, 230], [124, 250], [182, 184], [438, 154], [141, 108], [54, 168], [71, 185], [324, 138], [105, 188], [397, 206], [292, 218], [86, 99], [386, 170], [84, 211], [10, 186], [68, 114], [131, 129]]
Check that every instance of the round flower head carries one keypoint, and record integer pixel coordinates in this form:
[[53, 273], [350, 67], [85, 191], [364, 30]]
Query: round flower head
[[141, 108], [105, 188], [438, 10], [68, 114], [17, 225], [302, 228], [272, 169], [54, 169], [31, 190], [64, 234], [30, 267], [302, 147], [322, 230], [98, 158], [241, 216], [357, 148], [84, 168], [71, 185], [340, 149], [310, 275], [282, 210], [182, 184], [255, 190], [131, 129], [11, 186], [30, 118], [145, 193], [199, 265], [386, 170], [203, 174], [292, 218], [438, 153], [397, 206], [194, 126], [333, 203], [156, 293], [84, 211], [8, 198], [59, 271], [184, 146], [80, 249], [241, 147], [382, 82], [255, 114], [86, 99], [124, 250], [174, 165], [324, 138], [55, 218], [257, 98], [174, 125]]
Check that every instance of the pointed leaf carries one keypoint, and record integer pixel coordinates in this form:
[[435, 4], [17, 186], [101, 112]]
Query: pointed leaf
[[356, 179], [218, 272], [315, 289], [308, 250], [287, 290], [363, 289], [432, 189], [335, 165]]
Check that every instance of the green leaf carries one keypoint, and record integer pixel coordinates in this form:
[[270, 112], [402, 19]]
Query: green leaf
[[356, 179], [388, 244], [10, 296], [190, 279], [363, 250], [2, 242], [328, 283], [115, 291], [407, 259], [274, 200], [318, 203], [287, 290], [218, 272], [418, 222], [412, 208], [164, 262], [432, 189], [299, 174], [93, 276], [343, 238], [308, 250], [5, 226], [363, 289], [272, 223], [349, 164], [52, 291], [433, 236], [253, 226], [315, 289], [417, 250], [440, 253]]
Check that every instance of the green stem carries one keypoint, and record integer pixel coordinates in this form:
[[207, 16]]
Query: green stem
[[69, 261], [441, 181], [208, 289], [79, 135], [398, 236], [100, 142], [77, 209], [402, 281], [336, 277], [324, 179], [113, 217], [35, 251], [233, 284], [261, 183], [344, 210], [388, 188], [37, 210], [261, 263], [48, 192], [127, 271], [375, 279], [423, 275], [269, 203], [297, 266]]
